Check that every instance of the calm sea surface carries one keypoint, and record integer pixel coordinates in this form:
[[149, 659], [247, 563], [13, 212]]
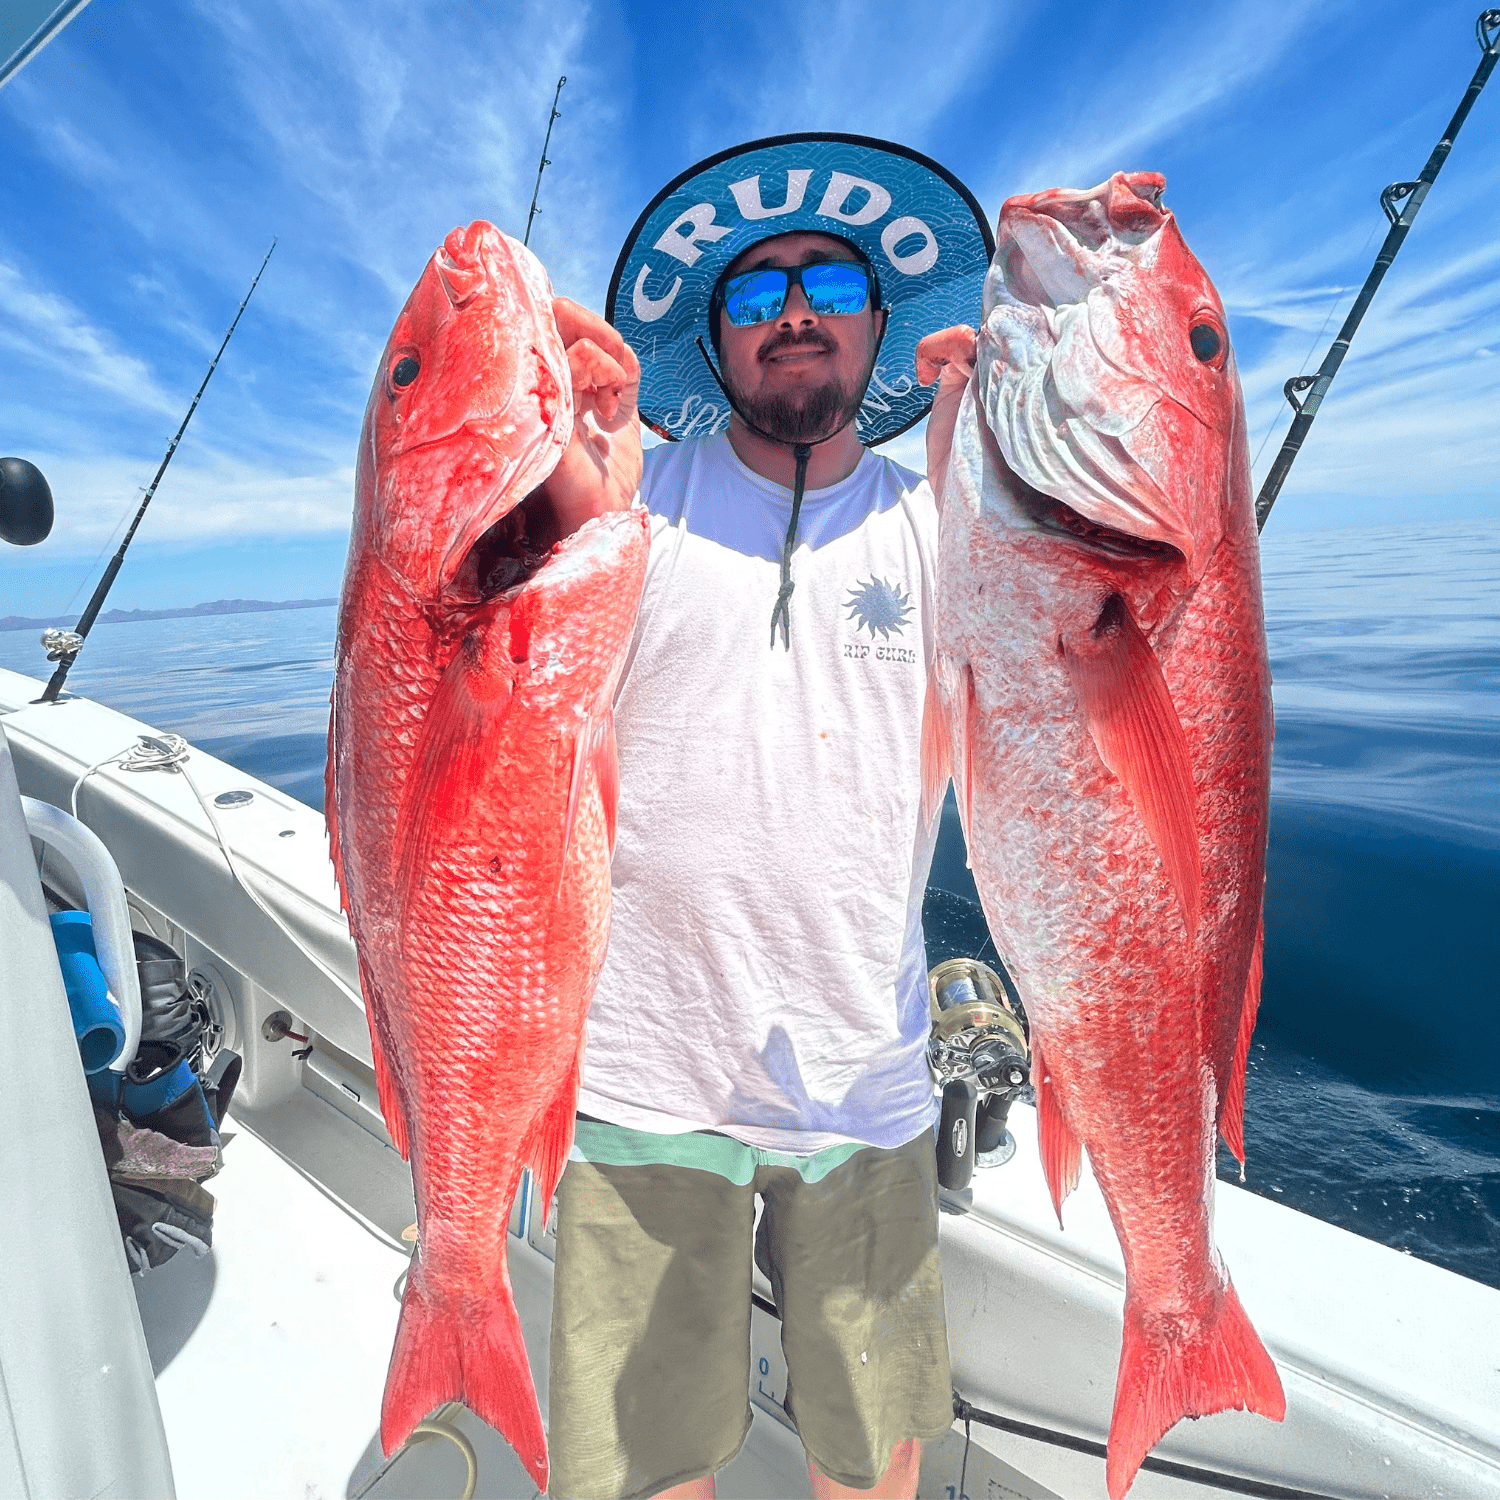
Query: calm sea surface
[[1373, 1095]]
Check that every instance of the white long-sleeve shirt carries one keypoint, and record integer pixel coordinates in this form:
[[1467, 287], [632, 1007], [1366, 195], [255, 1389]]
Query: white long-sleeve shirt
[[766, 975]]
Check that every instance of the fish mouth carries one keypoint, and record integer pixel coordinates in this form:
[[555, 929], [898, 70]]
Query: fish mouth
[[1058, 519], [510, 551], [1046, 514]]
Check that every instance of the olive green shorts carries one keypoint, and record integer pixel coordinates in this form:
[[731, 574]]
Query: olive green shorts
[[650, 1369]]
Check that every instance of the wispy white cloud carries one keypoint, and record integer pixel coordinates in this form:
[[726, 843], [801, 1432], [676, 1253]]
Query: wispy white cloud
[[885, 69], [54, 332], [361, 130], [209, 497], [1113, 112]]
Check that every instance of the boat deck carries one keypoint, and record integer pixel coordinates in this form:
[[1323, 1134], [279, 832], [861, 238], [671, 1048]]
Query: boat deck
[[270, 1353]]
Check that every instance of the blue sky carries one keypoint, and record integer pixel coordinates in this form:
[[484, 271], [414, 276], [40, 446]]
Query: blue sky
[[148, 155]]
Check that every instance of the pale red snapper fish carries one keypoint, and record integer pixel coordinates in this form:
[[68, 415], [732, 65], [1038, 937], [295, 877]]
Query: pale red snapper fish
[[1102, 695], [471, 794]]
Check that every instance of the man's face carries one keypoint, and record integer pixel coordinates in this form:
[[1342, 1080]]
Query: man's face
[[800, 376]]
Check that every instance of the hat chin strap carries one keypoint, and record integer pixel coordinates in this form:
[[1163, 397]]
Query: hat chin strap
[[781, 615]]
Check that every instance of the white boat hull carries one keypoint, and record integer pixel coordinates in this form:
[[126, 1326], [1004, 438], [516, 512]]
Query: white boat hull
[[271, 1359]]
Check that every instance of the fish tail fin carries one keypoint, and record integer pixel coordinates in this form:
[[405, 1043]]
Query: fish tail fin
[[1232, 1116], [552, 1140], [1062, 1151], [467, 1349], [1219, 1367], [937, 749]]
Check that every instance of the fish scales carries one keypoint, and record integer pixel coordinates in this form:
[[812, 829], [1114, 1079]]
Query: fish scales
[[1102, 692], [471, 790]]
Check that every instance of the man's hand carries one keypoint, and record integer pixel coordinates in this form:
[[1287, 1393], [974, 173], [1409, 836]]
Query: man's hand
[[947, 357], [600, 469]]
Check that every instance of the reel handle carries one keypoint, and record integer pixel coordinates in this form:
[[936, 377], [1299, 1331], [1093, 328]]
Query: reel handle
[[955, 1141]]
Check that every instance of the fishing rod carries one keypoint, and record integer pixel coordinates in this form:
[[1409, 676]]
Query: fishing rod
[[63, 645], [1487, 31], [544, 163]]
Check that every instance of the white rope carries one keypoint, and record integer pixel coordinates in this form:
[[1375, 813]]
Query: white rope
[[170, 752]]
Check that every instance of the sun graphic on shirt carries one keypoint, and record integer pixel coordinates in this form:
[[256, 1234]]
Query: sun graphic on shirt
[[878, 605]]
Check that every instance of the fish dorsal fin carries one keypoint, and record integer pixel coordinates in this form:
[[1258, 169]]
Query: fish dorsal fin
[[1138, 735], [331, 798], [1061, 1149], [949, 729], [967, 721], [455, 751], [1232, 1109], [607, 769]]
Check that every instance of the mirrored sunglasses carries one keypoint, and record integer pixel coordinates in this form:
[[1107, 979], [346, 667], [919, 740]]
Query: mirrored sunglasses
[[833, 288]]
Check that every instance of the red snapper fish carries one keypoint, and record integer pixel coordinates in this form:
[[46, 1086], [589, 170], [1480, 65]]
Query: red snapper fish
[[471, 795], [1102, 696]]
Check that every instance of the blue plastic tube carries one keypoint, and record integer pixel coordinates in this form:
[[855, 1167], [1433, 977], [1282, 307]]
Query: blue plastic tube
[[96, 1017]]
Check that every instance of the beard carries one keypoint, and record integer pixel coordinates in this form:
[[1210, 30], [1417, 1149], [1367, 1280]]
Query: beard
[[803, 416]]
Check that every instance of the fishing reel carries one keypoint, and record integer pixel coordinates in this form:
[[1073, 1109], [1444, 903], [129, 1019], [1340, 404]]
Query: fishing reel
[[980, 1054]]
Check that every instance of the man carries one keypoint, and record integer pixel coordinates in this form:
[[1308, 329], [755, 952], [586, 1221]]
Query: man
[[759, 1028]]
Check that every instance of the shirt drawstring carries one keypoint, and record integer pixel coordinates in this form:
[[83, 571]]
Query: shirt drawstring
[[782, 613]]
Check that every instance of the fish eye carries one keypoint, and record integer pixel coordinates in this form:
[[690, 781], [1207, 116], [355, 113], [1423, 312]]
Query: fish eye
[[1204, 338], [407, 368]]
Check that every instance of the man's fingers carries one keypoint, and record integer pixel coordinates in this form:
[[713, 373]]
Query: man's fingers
[[597, 373], [603, 365], [948, 355], [575, 322]]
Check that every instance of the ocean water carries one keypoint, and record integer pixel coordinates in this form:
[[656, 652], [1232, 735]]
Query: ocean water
[[1373, 1093]]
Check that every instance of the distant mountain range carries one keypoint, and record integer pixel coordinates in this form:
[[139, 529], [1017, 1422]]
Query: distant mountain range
[[129, 616]]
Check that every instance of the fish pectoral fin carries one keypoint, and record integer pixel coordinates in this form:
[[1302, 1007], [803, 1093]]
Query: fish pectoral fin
[[1061, 1150], [1135, 728], [1232, 1107], [937, 748], [454, 752]]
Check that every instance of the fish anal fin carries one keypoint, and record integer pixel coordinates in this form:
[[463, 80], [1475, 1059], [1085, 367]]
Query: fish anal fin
[[457, 748], [552, 1138], [1168, 1372], [1135, 728], [1061, 1149], [463, 1347], [1232, 1111], [937, 750], [390, 1098]]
